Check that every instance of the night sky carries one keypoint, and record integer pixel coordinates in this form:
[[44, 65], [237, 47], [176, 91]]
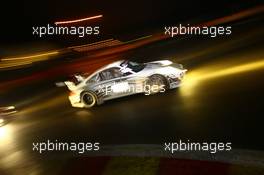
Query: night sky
[[120, 17]]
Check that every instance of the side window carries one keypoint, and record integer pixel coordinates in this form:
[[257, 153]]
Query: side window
[[95, 79], [116, 72], [111, 73]]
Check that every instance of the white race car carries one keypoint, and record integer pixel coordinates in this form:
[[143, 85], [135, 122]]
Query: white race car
[[123, 78]]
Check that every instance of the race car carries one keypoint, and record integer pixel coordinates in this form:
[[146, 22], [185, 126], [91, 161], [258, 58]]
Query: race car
[[123, 78]]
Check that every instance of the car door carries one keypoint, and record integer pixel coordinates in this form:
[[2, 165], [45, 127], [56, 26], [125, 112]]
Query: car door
[[130, 82], [111, 82]]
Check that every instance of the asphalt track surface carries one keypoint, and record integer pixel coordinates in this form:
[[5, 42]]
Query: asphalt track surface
[[221, 100]]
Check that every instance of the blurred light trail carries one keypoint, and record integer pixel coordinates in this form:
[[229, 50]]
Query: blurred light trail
[[210, 72], [12, 64], [247, 39], [9, 113], [1, 122], [234, 70], [25, 60], [90, 44], [5, 135], [7, 108], [137, 39], [78, 20], [31, 56], [217, 21], [88, 65], [96, 45], [160, 36], [152, 38], [236, 16], [105, 55], [48, 103]]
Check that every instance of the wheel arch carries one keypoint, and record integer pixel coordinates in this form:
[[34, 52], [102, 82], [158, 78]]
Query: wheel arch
[[167, 85], [91, 92]]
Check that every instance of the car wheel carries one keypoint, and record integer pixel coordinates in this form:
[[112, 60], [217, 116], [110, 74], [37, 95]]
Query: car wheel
[[88, 99], [158, 81]]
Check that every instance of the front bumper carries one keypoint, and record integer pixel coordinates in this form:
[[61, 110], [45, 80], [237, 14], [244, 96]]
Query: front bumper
[[176, 79]]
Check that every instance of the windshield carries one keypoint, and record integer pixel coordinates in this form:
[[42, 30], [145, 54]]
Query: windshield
[[134, 66]]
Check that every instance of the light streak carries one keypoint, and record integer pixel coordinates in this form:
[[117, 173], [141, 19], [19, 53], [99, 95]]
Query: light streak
[[235, 70], [1, 121], [31, 56], [91, 44], [78, 20], [7, 108], [192, 79]]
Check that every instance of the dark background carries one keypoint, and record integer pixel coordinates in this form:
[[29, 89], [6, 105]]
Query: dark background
[[119, 17], [227, 108]]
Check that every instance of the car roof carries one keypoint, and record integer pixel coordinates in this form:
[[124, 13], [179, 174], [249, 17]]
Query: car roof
[[114, 64]]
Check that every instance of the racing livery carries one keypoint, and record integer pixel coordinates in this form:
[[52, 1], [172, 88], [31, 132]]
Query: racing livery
[[123, 78]]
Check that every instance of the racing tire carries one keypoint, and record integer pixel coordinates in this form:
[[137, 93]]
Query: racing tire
[[89, 99], [156, 80]]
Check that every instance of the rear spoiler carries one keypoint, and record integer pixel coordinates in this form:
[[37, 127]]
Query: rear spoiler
[[70, 84]]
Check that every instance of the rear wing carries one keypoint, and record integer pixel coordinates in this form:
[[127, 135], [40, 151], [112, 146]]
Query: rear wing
[[71, 84]]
